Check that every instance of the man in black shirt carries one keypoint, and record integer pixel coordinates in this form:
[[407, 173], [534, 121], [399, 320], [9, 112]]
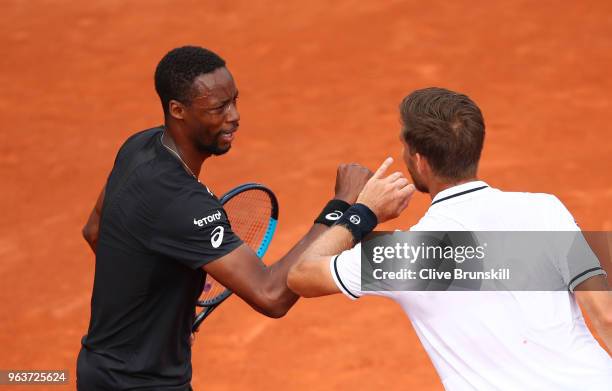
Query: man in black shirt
[[151, 259]]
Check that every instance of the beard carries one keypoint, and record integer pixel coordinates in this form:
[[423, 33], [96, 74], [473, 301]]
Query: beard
[[214, 148], [416, 180], [420, 186]]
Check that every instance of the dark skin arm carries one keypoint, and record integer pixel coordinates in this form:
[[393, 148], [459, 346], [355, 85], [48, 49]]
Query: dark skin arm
[[263, 288], [92, 227], [387, 197]]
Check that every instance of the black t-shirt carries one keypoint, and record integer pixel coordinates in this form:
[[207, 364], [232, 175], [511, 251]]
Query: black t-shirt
[[158, 227]]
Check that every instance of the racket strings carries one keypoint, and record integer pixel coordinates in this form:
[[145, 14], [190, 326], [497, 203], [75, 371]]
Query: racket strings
[[249, 215]]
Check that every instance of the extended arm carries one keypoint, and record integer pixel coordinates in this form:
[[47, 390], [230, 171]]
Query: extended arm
[[265, 288], [386, 197]]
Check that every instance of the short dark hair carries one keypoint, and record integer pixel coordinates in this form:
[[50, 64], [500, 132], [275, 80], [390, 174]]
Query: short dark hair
[[445, 127], [178, 69]]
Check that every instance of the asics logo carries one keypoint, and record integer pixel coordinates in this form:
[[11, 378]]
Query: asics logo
[[208, 219], [333, 216], [216, 237], [355, 219]]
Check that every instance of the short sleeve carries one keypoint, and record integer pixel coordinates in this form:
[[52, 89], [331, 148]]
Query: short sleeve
[[346, 270], [194, 230], [582, 263], [577, 262]]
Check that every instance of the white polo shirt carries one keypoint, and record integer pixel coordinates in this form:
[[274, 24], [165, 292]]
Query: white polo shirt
[[497, 340]]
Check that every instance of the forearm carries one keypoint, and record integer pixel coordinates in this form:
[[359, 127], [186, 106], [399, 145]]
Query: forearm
[[266, 288], [310, 276], [330, 243], [278, 272]]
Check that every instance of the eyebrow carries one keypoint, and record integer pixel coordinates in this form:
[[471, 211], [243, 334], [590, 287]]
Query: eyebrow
[[231, 99], [226, 101]]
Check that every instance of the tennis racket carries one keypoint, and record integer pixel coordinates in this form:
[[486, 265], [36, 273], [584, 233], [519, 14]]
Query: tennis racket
[[252, 210]]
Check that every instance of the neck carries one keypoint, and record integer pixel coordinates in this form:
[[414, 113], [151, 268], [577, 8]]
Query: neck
[[184, 148], [437, 186]]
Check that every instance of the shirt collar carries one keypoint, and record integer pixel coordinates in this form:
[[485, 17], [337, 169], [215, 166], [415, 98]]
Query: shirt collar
[[459, 190]]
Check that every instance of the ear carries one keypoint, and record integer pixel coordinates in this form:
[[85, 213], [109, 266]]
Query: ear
[[176, 109]]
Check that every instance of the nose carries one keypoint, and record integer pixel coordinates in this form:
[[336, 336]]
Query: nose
[[233, 115]]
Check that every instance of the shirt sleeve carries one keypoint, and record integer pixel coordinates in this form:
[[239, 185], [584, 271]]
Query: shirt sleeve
[[194, 230], [345, 269], [577, 262]]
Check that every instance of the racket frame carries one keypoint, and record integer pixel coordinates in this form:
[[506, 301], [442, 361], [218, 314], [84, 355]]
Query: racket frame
[[210, 305]]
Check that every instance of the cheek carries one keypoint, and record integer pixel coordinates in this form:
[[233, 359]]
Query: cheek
[[406, 156], [192, 120], [411, 164], [212, 124], [206, 127]]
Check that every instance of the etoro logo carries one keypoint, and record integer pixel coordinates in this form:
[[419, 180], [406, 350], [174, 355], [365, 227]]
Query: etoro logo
[[216, 237], [208, 219]]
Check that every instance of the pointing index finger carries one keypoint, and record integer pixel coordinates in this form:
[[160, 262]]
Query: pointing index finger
[[383, 167]]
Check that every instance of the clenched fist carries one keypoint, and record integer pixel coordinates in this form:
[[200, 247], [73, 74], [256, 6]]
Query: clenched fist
[[350, 180]]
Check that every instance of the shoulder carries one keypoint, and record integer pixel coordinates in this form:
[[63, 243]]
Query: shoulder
[[188, 210], [193, 198], [536, 211], [499, 210], [141, 144], [142, 138], [435, 220], [197, 194], [144, 135], [545, 206]]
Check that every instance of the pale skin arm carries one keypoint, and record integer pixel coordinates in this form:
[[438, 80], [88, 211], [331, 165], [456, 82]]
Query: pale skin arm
[[387, 197], [595, 299]]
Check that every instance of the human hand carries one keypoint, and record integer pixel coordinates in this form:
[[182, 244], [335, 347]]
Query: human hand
[[350, 180], [386, 197]]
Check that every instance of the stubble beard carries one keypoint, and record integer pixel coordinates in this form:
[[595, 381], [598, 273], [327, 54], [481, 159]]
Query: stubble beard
[[214, 148]]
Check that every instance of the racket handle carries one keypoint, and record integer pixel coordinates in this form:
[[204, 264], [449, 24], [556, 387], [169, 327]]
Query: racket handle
[[204, 314], [200, 318]]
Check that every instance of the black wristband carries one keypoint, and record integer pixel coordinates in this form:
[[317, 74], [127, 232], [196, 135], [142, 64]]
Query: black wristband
[[332, 212], [360, 220]]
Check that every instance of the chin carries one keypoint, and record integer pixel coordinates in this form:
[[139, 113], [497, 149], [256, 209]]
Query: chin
[[214, 149], [221, 151]]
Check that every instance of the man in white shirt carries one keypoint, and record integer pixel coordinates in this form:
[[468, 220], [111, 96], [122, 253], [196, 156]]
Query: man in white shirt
[[502, 340]]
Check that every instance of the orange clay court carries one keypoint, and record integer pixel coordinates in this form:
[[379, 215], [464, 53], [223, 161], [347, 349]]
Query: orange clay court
[[319, 85]]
